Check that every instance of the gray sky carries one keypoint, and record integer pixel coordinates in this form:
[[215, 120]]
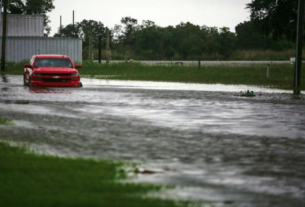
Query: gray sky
[[217, 13]]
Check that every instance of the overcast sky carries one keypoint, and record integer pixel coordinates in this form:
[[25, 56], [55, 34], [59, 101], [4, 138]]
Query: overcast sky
[[217, 13]]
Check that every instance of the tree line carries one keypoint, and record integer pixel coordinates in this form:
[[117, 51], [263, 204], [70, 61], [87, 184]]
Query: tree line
[[272, 26], [185, 41]]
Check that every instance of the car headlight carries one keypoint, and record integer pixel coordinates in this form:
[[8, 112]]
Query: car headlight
[[74, 74]]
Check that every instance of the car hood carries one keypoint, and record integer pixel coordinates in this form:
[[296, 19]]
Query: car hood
[[55, 70]]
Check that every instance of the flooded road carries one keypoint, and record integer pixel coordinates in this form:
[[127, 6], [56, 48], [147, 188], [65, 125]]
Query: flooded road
[[219, 148]]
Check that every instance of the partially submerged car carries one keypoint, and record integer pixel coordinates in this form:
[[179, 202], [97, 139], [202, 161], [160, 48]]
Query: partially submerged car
[[51, 71]]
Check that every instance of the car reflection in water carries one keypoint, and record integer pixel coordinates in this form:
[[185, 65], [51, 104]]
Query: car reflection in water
[[44, 90]]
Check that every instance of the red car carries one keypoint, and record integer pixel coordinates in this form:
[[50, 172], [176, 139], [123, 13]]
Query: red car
[[51, 70]]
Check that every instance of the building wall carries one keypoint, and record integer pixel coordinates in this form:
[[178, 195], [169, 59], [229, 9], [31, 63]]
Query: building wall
[[23, 48], [24, 25]]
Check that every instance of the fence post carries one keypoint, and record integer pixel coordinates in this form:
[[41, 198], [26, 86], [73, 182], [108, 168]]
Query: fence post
[[108, 51], [299, 47], [268, 70]]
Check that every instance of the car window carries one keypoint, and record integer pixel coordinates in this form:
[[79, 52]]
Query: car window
[[53, 62]]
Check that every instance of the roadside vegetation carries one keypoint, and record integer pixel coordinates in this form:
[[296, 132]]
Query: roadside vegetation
[[28, 179], [185, 41], [281, 76], [14, 68]]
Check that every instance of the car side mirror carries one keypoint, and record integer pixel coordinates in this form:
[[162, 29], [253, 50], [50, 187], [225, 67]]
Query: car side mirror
[[28, 65], [78, 66]]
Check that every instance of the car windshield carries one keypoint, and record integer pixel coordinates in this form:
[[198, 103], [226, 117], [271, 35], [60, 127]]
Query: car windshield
[[53, 62]]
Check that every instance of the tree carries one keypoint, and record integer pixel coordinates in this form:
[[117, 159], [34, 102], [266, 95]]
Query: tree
[[250, 38], [73, 31], [96, 28], [275, 17], [149, 40], [212, 44], [85, 30], [16, 7], [131, 26], [187, 40], [191, 46], [227, 42], [33, 7]]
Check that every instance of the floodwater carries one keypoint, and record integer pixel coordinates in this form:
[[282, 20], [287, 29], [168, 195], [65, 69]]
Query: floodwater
[[219, 148]]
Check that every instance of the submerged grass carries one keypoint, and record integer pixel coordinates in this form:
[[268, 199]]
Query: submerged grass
[[38, 180], [22, 102], [5, 121]]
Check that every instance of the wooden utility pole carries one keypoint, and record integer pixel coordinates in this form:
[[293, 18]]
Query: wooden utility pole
[[4, 35], [100, 49], [108, 51], [90, 43], [60, 25], [73, 22], [299, 47]]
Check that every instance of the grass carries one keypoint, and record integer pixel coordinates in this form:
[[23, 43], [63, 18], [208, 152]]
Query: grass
[[38, 180], [281, 76], [5, 122], [14, 68], [22, 102]]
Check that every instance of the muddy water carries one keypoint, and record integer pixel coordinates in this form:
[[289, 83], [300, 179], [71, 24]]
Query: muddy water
[[217, 147]]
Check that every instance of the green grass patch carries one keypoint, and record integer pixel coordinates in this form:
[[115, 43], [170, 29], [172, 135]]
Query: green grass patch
[[22, 102], [281, 76], [14, 68], [38, 180], [5, 122], [247, 94]]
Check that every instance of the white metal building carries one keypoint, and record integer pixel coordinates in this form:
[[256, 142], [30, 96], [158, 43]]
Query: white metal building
[[24, 26], [25, 38]]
